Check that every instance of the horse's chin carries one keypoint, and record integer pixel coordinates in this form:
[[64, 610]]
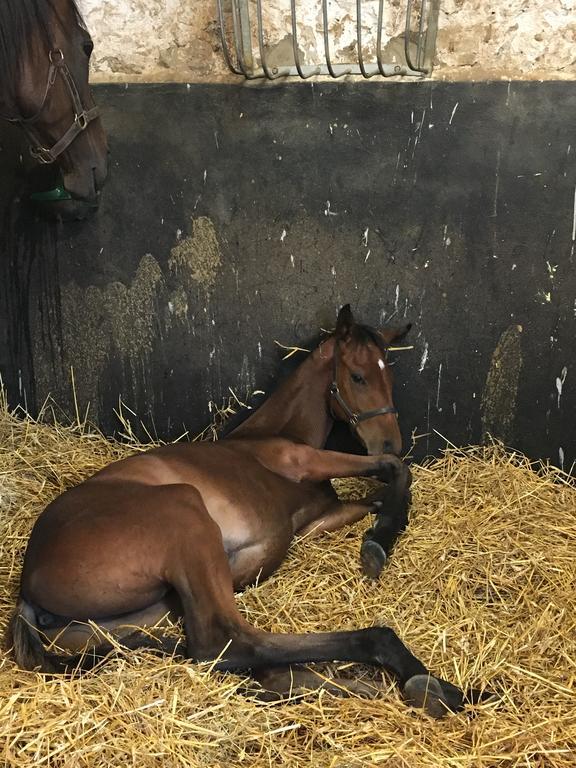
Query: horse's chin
[[376, 447], [68, 210]]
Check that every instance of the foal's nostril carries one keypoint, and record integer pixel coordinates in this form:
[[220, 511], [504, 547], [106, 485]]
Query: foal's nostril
[[387, 447]]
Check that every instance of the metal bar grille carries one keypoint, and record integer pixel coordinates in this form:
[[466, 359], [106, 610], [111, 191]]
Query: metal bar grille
[[378, 48]]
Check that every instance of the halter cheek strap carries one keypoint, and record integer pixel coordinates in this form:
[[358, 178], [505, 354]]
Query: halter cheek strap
[[82, 117], [353, 417]]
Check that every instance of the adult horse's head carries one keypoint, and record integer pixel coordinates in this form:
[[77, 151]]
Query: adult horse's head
[[361, 390], [44, 56]]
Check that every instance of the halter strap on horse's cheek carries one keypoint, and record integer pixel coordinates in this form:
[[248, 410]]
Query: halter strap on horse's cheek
[[376, 412], [80, 124], [82, 116]]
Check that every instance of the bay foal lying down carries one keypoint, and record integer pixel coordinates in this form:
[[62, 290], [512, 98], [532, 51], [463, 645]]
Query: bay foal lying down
[[177, 529]]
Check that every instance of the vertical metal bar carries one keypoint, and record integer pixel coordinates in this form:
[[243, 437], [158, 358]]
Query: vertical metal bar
[[359, 38], [236, 34], [407, 31], [418, 67], [421, 39], [315, 71], [379, 37], [326, 40], [261, 45], [244, 18], [431, 34], [295, 39], [224, 40], [327, 55]]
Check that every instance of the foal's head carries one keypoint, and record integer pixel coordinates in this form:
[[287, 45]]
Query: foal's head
[[361, 392], [44, 55]]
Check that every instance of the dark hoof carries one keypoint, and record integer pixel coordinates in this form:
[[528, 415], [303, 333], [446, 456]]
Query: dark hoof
[[437, 697], [474, 696], [373, 559]]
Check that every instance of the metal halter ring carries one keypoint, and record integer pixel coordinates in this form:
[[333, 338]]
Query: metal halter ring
[[56, 56]]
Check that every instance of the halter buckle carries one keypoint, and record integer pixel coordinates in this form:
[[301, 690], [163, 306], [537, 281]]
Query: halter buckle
[[82, 121], [42, 155]]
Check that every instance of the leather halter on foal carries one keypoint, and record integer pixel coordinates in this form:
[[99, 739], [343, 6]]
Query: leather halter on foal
[[353, 417], [82, 117]]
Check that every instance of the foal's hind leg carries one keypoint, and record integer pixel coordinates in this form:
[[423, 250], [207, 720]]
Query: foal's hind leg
[[198, 569], [336, 516], [279, 684]]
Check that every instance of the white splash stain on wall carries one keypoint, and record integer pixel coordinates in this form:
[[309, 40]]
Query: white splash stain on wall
[[574, 218], [424, 358], [328, 211], [246, 379], [438, 408], [560, 383], [453, 113]]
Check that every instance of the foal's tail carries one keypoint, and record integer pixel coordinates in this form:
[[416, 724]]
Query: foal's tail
[[23, 637]]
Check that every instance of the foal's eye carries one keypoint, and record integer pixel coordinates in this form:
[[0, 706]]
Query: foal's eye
[[88, 47], [357, 378]]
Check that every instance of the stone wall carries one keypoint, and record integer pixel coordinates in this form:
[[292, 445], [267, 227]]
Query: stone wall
[[175, 40]]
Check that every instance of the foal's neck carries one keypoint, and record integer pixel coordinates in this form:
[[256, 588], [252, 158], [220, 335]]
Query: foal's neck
[[298, 408]]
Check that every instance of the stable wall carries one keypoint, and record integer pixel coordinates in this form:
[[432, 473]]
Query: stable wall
[[173, 40], [257, 212]]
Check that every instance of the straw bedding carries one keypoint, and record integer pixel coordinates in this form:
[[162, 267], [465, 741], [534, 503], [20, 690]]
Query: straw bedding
[[481, 587]]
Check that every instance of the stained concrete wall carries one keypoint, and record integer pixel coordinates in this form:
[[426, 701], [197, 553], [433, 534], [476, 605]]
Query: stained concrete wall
[[177, 40]]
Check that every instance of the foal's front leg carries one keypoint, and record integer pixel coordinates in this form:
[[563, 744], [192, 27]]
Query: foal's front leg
[[390, 503]]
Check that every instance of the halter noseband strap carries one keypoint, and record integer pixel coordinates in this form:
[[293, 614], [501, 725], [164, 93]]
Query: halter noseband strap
[[82, 117], [353, 417]]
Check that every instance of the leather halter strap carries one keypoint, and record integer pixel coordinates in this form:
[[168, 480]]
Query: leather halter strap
[[82, 117], [353, 417]]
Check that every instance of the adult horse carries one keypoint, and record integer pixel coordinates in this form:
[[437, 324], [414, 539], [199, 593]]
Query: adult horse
[[44, 56], [179, 528]]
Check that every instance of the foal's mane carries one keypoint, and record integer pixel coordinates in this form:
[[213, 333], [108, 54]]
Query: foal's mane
[[21, 21], [365, 334]]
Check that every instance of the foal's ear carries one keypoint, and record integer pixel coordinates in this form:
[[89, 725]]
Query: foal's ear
[[344, 323], [392, 335]]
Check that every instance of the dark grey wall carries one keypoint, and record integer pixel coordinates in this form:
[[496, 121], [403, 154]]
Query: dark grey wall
[[237, 216]]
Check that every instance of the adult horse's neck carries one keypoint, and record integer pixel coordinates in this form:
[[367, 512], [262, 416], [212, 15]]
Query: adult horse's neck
[[298, 409]]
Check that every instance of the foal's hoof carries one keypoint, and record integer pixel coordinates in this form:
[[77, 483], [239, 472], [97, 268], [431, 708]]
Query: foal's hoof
[[427, 693], [373, 558], [437, 697]]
